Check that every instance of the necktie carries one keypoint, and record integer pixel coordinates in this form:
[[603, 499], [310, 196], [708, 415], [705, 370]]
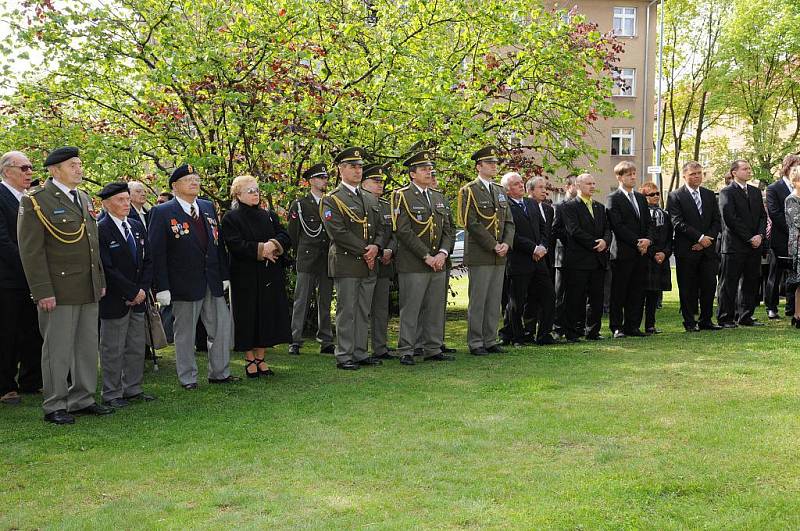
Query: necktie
[[541, 211], [696, 196], [524, 208], [131, 241], [632, 199], [427, 197], [74, 194], [746, 196], [193, 212]]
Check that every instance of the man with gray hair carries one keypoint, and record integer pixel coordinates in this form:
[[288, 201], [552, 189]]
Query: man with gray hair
[[20, 341], [138, 199]]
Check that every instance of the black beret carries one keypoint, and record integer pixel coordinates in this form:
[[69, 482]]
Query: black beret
[[351, 155], [317, 170], [423, 158], [112, 189], [59, 155], [378, 172], [486, 154], [181, 171]]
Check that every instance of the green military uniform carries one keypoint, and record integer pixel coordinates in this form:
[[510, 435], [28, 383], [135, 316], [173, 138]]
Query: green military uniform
[[423, 226], [353, 220], [60, 254], [379, 314], [484, 211], [311, 243]]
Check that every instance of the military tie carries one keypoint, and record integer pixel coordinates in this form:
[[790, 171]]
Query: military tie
[[75, 199], [427, 198], [131, 241], [193, 212]]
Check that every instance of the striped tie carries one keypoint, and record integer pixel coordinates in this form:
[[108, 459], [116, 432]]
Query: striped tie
[[696, 196]]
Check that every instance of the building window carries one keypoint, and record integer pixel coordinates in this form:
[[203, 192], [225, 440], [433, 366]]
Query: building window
[[625, 21], [622, 141], [625, 82]]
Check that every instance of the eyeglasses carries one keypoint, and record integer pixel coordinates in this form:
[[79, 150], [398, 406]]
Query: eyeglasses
[[653, 194], [253, 190], [24, 167]]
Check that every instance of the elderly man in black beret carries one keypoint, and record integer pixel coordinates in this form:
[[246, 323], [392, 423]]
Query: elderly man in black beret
[[60, 254], [129, 274]]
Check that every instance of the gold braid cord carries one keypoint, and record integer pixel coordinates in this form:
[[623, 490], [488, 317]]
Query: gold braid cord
[[427, 226], [346, 211], [52, 229], [463, 212]]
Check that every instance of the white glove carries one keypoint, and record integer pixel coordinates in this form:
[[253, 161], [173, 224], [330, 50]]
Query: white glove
[[226, 285], [164, 298]]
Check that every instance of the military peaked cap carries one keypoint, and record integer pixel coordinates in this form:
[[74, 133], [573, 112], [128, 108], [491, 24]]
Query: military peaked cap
[[317, 170], [375, 171], [351, 155], [486, 154], [423, 158]]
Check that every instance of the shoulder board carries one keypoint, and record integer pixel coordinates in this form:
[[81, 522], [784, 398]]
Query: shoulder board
[[434, 190], [402, 188], [382, 200], [35, 190]]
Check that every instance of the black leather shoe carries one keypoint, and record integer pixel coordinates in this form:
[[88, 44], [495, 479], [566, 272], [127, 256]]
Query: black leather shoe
[[692, 328], [407, 359], [595, 337], [619, 334], [708, 326], [94, 409], [635, 333], [384, 356], [479, 352], [348, 365], [190, 386], [440, 357], [229, 379], [418, 352], [546, 340], [117, 403], [60, 417], [727, 325], [494, 349], [448, 350], [570, 339], [750, 323], [370, 361], [140, 397], [653, 331], [330, 349], [294, 350], [772, 314]]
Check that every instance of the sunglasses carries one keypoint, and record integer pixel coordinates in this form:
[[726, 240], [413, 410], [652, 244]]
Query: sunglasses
[[24, 167], [653, 194], [251, 190]]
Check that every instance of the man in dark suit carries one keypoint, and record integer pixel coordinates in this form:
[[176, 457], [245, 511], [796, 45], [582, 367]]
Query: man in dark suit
[[744, 226], [587, 237], [129, 275], [557, 231], [138, 201], [697, 224], [530, 286], [20, 341], [190, 271], [629, 218], [777, 193]]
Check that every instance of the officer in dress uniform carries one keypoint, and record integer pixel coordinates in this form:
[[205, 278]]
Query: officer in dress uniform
[[60, 254], [373, 180], [311, 243], [484, 211], [129, 275], [421, 218], [355, 225]]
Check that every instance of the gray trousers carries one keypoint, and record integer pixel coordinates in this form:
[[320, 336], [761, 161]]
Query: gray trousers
[[69, 352], [422, 293], [483, 311], [122, 344], [217, 320], [379, 316], [304, 287], [353, 301], [421, 321]]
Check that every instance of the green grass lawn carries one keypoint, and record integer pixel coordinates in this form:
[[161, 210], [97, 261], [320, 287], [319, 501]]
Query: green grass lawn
[[674, 431]]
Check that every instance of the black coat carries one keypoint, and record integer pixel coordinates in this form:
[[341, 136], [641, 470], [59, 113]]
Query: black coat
[[687, 223], [581, 230], [124, 275], [261, 311], [743, 217], [549, 217], [531, 230], [627, 227], [659, 276], [11, 274], [777, 193]]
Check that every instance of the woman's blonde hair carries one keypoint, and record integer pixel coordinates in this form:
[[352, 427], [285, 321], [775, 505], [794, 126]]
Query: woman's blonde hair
[[238, 184]]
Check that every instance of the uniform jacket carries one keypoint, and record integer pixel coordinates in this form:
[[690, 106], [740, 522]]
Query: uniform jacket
[[476, 204], [411, 210], [688, 224], [12, 275], [743, 217], [125, 276], [311, 252], [70, 272], [530, 230], [346, 224], [581, 230], [390, 240], [777, 193], [179, 263], [626, 226]]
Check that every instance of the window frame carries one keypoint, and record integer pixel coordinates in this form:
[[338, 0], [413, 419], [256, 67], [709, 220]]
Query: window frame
[[620, 137], [623, 16]]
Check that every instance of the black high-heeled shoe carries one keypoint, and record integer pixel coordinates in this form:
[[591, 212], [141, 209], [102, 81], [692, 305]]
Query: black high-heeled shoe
[[249, 374], [265, 372]]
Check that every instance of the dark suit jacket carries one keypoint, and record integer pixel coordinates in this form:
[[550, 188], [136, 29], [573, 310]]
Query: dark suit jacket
[[689, 225], [743, 217], [777, 193], [135, 215], [557, 234], [581, 229], [549, 217], [124, 275], [11, 274], [531, 230], [627, 227], [179, 263]]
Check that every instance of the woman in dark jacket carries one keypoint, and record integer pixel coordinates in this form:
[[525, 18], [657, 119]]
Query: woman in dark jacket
[[256, 242], [659, 276]]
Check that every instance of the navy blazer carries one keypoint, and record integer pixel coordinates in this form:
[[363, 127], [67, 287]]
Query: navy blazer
[[179, 263], [627, 227], [689, 225], [135, 215], [124, 275], [581, 229], [12, 275], [531, 230], [777, 193], [743, 217]]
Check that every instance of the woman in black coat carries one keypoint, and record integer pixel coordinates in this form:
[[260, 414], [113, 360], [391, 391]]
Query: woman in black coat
[[256, 242], [659, 276]]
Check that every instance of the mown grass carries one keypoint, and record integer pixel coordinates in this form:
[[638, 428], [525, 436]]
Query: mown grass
[[674, 431]]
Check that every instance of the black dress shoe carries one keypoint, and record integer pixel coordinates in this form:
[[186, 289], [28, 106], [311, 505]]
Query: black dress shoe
[[294, 350], [772, 314], [653, 331], [619, 334], [708, 326], [479, 352], [384, 356], [407, 359], [330, 349], [370, 361], [418, 352], [546, 340], [189, 386], [595, 337], [495, 349], [60, 417], [727, 324], [117, 403], [572, 339], [140, 397], [94, 409], [692, 328], [440, 357], [448, 350], [635, 333], [229, 379], [348, 365], [750, 323]]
